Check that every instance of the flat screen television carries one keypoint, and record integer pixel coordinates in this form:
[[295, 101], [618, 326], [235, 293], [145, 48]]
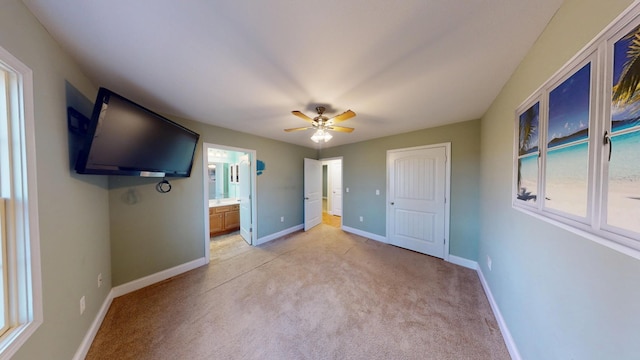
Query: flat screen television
[[124, 138]]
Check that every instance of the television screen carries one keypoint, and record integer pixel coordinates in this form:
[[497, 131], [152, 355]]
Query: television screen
[[124, 138]]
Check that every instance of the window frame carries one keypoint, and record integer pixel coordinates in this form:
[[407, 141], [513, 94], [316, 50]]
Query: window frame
[[563, 75], [598, 52], [616, 33], [536, 98], [25, 310]]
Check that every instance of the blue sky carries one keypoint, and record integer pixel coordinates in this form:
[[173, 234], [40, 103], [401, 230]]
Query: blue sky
[[569, 102], [569, 105]]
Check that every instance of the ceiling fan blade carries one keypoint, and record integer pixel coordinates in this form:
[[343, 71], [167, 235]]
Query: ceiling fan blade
[[302, 116], [342, 117], [297, 129], [341, 129]]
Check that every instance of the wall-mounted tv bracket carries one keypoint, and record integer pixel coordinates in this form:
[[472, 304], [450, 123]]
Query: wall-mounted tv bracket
[[163, 186], [77, 123]]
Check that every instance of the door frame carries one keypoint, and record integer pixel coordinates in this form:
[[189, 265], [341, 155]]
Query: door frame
[[328, 161], [447, 190], [205, 179]]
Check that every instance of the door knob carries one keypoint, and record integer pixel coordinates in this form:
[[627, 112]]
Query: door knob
[[306, 198], [392, 203]]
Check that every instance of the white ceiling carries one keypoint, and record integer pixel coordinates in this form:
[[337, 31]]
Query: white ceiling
[[246, 64]]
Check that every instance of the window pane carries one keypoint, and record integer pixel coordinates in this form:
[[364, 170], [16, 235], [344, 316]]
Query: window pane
[[623, 201], [567, 166], [623, 197], [528, 170], [528, 154], [566, 179], [3, 268], [5, 175]]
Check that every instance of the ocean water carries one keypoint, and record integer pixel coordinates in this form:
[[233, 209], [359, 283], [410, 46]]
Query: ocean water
[[566, 180], [570, 164], [625, 158], [623, 197], [529, 175]]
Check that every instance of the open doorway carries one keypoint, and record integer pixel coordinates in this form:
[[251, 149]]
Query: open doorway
[[230, 184], [332, 192]]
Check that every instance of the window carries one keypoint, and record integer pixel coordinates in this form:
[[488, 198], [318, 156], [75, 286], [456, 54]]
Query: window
[[20, 290], [622, 167], [577, 141], [567, 146]]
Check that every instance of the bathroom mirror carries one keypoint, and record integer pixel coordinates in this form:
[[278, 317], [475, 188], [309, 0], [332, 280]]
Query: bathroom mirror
[[218, 180]]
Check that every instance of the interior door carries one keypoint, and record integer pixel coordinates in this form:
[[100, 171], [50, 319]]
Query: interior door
[[336, 187], [416, 208], [312, 193], [244, 197]]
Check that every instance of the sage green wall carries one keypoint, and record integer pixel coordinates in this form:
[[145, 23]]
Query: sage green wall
[[73, 209], [151, 232], [364, 171], [562, 296]]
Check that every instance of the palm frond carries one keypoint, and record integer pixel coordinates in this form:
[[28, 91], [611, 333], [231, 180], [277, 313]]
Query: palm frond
[[528, 127], [627, 86]]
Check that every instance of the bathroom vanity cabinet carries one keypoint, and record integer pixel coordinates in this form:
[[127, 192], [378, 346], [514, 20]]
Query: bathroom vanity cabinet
[[224, 219]]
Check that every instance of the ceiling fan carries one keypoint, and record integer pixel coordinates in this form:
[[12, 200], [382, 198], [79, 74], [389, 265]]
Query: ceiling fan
[[323, 124]]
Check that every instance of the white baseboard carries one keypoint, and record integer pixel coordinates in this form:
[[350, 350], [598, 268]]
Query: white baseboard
[[123, 289], [463, 262], [282, 233], [368, 235], [506, 334], [82, 351], [157, 277]]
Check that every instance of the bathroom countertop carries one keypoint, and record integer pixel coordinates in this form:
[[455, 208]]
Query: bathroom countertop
[[222, 202]]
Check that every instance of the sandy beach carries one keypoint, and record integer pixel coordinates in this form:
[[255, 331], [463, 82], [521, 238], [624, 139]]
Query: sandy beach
[[623, 203]]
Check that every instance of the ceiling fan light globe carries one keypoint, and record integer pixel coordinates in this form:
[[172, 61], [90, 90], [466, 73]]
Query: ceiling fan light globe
[[317, 136], [321, 135]]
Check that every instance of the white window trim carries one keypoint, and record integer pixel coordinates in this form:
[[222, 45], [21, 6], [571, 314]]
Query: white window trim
[[28, 317], [593, 226]]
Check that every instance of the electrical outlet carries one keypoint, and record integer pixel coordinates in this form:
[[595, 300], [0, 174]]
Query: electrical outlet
[[489, 262], [361, 219], [281, 218], [82, 305], [100, 280]]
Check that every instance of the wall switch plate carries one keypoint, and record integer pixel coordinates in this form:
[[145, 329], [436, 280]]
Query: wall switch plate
[[347, 189], [281, 218], [377, 192], [99, 279], [489, 262], [82, 305], [361, 219]]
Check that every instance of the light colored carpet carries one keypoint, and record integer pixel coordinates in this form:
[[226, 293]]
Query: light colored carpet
[[323, 294]]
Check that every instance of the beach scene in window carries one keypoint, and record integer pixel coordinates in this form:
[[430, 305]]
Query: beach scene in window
[[623, 182], [567, 165], [528, 149]]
